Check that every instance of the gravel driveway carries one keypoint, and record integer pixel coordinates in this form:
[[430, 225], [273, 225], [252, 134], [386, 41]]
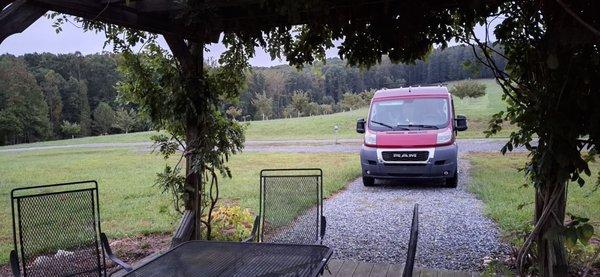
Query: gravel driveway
[[373, 224]]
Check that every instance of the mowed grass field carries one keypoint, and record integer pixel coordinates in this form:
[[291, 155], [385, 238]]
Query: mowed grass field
[[130, 204], [498, 183], [478, 111]]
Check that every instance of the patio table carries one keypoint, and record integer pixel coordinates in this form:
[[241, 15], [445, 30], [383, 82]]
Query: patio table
[[214, 258]]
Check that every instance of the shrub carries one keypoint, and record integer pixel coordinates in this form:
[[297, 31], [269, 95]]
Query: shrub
[[231, 223], [351, 101], [469, 89], [69, 129]]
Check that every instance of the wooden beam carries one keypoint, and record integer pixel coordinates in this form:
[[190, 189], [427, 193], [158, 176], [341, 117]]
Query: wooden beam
[[185, 229], [117, 14], [4, 3], [17, 17]]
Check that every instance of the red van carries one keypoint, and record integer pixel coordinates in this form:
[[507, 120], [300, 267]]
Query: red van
[[410, 135]]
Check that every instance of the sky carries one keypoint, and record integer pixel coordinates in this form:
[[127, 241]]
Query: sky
[[41, 37]]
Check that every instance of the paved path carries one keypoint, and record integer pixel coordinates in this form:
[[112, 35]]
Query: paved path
[[291, 146]]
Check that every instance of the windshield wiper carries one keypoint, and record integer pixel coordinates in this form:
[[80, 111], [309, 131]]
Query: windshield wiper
[[420, 126], [382, 124]]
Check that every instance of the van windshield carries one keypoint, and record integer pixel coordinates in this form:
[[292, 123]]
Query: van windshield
[[409, 114]]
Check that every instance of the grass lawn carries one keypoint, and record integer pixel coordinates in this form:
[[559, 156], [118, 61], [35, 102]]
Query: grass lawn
[[478, 111], [130, 204], [497, 182]]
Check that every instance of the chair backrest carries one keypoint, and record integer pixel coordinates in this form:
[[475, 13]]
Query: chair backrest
[[56, 229], [291, 205]]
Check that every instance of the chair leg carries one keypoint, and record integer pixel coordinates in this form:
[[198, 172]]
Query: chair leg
[[14, 263], [323, 226], [112, 256], [254, 233]]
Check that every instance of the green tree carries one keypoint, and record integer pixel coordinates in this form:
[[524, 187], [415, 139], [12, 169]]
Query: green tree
[[23, 111], [313, 109], [300, 103], [326, 108], [263, 105], [234, 112], [125, 120], [85, 114], [11, 127], [52, 85], [104, 118], [468, 89], [69, 129], [76, 107], [351, 101]]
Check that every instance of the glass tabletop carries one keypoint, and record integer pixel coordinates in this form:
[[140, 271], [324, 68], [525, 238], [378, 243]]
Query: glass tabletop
[[213, 258]]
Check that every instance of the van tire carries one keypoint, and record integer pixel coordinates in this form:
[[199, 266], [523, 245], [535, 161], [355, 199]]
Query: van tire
[[452, 182], [368, 181]]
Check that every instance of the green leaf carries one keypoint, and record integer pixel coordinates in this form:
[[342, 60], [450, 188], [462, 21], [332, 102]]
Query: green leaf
[[570, 237], [580, 182], [585, 233]]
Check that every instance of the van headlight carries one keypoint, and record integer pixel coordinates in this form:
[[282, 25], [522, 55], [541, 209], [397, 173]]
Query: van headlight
[[370, 138], [444, 137]]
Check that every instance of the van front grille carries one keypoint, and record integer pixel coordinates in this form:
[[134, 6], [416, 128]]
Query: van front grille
[[405, 156]]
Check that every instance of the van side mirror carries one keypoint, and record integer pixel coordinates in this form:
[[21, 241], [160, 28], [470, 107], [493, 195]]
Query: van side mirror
[[461, 123], [360, 126]]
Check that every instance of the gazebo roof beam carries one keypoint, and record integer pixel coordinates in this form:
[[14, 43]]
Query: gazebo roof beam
[[161, 16], [18, 16]]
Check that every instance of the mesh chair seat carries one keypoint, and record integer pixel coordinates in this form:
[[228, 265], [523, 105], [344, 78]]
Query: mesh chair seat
[[57, 231]]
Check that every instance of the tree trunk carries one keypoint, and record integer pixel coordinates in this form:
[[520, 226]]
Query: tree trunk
[[191, 59], [550, 248]]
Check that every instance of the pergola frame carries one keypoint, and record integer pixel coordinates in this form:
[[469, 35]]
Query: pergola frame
[[163, 17]]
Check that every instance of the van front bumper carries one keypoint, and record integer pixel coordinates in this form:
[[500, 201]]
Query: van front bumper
[[441, 165]]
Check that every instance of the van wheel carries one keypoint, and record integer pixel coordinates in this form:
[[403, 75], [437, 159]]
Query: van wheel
[[452, 182], [368, 181]]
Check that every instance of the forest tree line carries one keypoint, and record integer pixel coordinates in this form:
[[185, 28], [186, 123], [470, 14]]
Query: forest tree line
[[47, 96], [276, 92]]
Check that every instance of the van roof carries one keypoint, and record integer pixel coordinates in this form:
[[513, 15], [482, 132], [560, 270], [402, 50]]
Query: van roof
[[413, 91]]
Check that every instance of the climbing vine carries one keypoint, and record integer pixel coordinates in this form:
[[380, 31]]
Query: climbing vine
[[551, 86]]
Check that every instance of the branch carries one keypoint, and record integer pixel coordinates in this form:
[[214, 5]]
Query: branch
[[181, 52], [497, 76], [578, 19]]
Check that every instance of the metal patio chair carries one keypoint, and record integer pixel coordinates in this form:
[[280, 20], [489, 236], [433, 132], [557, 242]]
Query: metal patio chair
[[291, 207], [56, 231], [412, 244]]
